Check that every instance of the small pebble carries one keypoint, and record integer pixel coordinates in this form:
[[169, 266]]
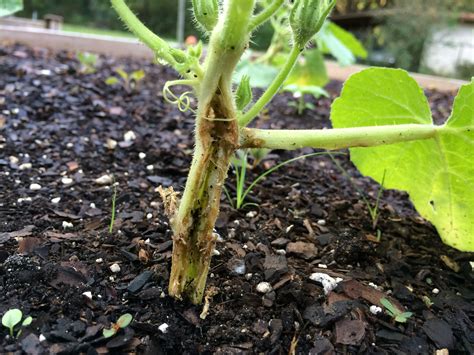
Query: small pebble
[[149, 216], [24, 199], [251, 214], [67, 225], [375, 309], [321, 222], [13, 160], [88, 294], [329, 283], [322, 266], [129, 136], [56, 200], [41, 338], [115, 268], [99, 260], [35, 187], [264, 287], [281, 251], [92, 205], [248, 276], [216, 252], [142, 155], [163, 328], [435, 291], [104, 180], [25, 166], [111, 144], [149, 167], [67, 180]]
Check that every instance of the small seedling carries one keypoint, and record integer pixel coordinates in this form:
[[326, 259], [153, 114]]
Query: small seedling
[[12, 318], [394, 312], [299, 95], [240, 165], [129, 81], [122, 322], [112, 213], [374, 210], [88, 62]]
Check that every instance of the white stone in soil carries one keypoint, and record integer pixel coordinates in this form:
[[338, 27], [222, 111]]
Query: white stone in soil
[[129, 136], [375, 309], [35, 187], [149, 167], [13, 160], [92, 205], [104, 180], [41, 338], [216, 252], [435, 291], [24, 199], [251, 214], [67, 180], [115, 268], [111, 144], [321, 222], [329, 283], [67, 225], [264, 287], [56, 200], [149, 216], [164, 328], [142, 155], [25, 166], [281, 251], [88, 294], [99, 260]]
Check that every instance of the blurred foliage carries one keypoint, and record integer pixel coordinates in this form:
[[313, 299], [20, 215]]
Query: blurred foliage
[[405, 32]]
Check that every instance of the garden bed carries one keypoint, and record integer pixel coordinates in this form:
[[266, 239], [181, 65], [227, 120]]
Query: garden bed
[[57, 257]]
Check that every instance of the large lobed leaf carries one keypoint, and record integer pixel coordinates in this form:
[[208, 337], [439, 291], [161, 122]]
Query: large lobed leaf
[[437, 173]]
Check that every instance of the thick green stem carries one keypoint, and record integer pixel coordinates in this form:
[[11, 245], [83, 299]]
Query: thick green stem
[[248, 116], [337, 138], [217, 138]]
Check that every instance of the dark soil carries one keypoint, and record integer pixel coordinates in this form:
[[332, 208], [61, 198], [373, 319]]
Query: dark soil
[[56, 256]]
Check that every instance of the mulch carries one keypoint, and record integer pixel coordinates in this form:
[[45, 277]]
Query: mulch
[[66, 138]]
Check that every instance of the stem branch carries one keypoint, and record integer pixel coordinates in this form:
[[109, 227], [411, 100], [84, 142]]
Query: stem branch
[[265, 14], [337, 138], [248, 116]]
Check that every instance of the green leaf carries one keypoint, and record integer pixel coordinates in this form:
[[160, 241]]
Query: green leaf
[[11, 318], [137, 75], [123, 74], [261, 75], [8, 7], [437, 173], [124, 320], [243, 94], [27, 321], [310, 70], [341, 44], [111, 80], [107, 333], [389, 306]]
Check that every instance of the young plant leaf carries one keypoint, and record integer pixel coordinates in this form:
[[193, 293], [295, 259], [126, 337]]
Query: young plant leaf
[[309, 71], [137, 75], [27, 321], [437, 173], [11, 318], [107, 333], [124, 320], [111, 80]]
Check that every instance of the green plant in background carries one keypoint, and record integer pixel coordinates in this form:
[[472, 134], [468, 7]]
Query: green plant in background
[[12, 318], [9, 7], [129, 81], [382, 116], [394, 312], [88, 62], [309, 75], [122, 323]]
